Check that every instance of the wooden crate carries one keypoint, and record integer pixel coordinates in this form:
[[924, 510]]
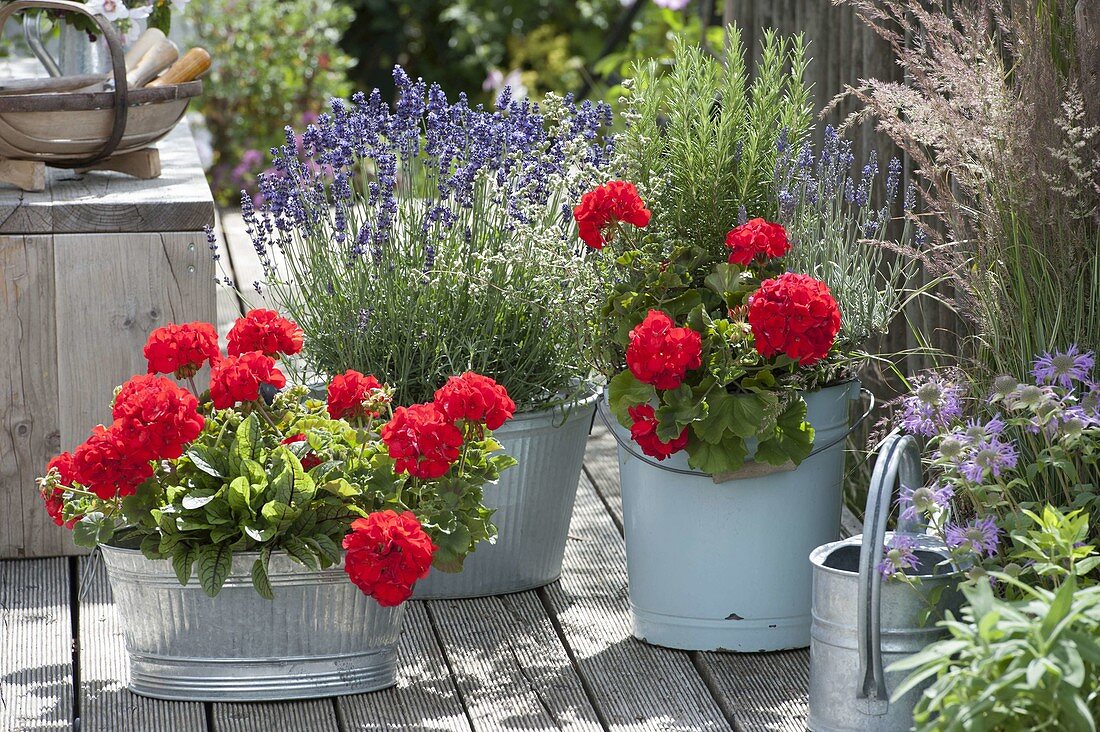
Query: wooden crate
[[88, 268]]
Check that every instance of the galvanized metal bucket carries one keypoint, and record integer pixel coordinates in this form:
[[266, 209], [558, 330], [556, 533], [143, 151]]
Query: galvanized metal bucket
[[320, 636], [533, 502], [861, 623], [722, 566]]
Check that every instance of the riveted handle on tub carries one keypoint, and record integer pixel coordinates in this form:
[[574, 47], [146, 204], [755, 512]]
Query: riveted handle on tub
[[899, 457]]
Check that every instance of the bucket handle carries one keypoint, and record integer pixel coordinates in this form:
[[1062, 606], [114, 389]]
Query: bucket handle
[[603, 412], [899, 458]]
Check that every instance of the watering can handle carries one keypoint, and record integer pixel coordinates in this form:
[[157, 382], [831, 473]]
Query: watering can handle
[[899, 457]]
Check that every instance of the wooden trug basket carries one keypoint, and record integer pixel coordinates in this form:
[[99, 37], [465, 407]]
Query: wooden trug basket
[[106, 130]]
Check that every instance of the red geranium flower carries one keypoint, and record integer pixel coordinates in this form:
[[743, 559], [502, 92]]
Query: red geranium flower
[[605, 205], [660, 354], [422, 441], [351, 395], [54, 499], [756, 237], [644, 432], [106, 464], [264, 331], [796, 315], [475, 398], [387, 553], [181, 349], [309, 460], [156, 417], [238, 378]]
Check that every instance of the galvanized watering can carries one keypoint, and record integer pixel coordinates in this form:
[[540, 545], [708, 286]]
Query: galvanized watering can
[[862, 623]]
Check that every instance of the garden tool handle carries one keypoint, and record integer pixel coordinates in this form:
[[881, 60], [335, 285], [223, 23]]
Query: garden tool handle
[[190, 66], [118, 68], [899, 457]]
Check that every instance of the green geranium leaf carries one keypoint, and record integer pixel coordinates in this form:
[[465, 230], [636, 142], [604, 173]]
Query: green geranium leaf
[[625, 391], [215, 561], [722, 457], [678, 409], [737, 414], [183, 560], [792, 439], [261, 581], [94, 528]]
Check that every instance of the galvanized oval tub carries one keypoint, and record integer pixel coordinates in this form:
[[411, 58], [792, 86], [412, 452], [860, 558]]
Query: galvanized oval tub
[[722, 566], [862, 623], [320, 636], [533, 503]]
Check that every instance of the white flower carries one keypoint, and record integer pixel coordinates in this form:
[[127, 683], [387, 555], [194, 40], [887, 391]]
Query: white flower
[[112, 10]]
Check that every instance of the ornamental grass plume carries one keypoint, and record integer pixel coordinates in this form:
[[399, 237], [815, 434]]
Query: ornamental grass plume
[[1000, 112], [431, 237]]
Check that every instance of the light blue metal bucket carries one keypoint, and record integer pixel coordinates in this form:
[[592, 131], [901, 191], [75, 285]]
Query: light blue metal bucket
[[722, 566]]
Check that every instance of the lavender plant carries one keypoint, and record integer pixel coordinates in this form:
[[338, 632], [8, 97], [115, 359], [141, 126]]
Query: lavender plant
[[837, 219], [432, 237]]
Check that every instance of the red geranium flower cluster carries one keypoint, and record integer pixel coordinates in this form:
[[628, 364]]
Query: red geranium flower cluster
[[605, 206], [475, 398], [386, 554], [352, 395], [422, 441], [265, 331], [181, 349], [660, 353], [756, 237], [106, 464], [644, 432], [156, 417], [796, 315], [237, 378], [63, 463], [309, 460]]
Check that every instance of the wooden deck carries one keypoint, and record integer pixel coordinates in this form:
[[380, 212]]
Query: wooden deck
[[560, 657]]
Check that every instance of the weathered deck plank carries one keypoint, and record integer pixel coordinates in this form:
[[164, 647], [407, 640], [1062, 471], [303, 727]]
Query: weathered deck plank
[[36, 661], [317, 715], [510, 665], [636, 686], [106, 705], [425, 697]]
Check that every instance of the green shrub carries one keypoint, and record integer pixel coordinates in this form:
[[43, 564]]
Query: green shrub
[[275, 62]]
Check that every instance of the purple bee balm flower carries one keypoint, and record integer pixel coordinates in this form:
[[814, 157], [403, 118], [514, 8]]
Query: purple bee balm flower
[[988, 457], [899, 556], [931, 405], [1064, 367], [981, 537], [921, 501]]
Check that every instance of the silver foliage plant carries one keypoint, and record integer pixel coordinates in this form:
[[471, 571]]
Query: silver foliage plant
[[429, 237]]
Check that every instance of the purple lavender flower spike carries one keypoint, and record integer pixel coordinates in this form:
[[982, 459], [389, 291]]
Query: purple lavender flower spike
[[980, 536], [1064, 368]]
